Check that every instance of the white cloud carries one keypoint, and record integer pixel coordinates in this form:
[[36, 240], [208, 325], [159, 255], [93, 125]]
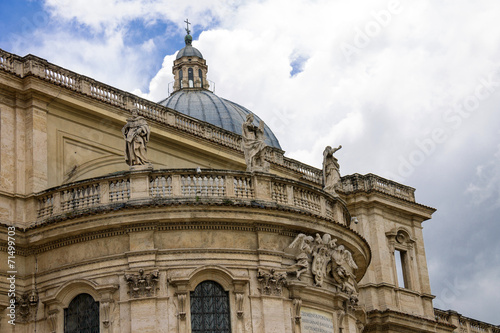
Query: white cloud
[[379, 104], [486, 184]]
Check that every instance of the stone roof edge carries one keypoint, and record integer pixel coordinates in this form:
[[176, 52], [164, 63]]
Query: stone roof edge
[[31, 65]]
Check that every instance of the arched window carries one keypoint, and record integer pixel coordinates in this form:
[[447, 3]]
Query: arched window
[[200, 74], [180, 78], [82, 315], [190, 77], [210, 309]]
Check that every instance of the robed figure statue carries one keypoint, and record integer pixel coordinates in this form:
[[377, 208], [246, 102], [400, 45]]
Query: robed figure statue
[[136, 133], [253, 145], [331, 167]]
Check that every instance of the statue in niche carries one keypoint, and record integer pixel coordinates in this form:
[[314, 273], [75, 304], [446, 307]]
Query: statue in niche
[[331, 167], [136, 133], [253, 145]]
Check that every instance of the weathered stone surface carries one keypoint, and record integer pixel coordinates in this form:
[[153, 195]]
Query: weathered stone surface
[[87, 224]]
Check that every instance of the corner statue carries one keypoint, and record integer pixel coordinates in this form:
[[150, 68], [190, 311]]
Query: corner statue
[[253, 145], [136, 133], [331, 174]]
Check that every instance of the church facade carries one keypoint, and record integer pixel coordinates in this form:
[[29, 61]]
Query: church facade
[[123, 215]]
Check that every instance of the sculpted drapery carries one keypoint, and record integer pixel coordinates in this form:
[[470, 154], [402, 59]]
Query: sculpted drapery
[[331, 173], [136, 133], [253, 145]]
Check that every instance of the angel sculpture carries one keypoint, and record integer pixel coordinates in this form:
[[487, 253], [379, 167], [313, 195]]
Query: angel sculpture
[[303, 243], [341, 255]]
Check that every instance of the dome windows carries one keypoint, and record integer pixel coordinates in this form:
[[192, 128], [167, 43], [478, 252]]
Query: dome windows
[[190, 78]]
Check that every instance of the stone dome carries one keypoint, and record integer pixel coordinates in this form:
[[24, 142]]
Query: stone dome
[[205, 105], [188, 51]]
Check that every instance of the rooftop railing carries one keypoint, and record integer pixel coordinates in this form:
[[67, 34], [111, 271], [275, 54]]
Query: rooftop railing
[[33, 66], [464, 324], [370, 182], [153, 187]]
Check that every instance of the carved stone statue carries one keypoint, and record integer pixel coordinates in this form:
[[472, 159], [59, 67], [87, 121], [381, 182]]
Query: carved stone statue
[[136, 132], [303, 243], [325, 258], [331, 167], [253, 145]]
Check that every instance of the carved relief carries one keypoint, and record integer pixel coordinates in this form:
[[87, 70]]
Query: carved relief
[[271, 282], [105, 306], [239, 305], [325, 258], [52, 320], [181, 303], [253, 145], [297, 304], [26, 306], [142, 284], [304, 244]]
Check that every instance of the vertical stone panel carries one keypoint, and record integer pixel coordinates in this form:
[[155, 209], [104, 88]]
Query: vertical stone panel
[[142, 311], [273, 315], [125, 313], [36, 147]]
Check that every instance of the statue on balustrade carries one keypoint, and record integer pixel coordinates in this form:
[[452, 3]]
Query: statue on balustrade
[[253, 145], [331, 167], [136, 132]]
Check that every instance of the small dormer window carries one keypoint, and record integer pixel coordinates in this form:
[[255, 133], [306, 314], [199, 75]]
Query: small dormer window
[[190, 77]]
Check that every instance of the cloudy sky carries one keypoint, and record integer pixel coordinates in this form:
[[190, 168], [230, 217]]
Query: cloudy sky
[[411, 89]]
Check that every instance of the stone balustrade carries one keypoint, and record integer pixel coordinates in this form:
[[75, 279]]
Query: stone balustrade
[[217, 186], [33, 66], [370, 182], [464, 324]]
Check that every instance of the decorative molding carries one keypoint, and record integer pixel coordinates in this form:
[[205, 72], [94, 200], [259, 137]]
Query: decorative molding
[[323, 257], [400, 239], [52, 320], [26, 305], [142, 284], [271, 282], [239, 304], [181, 303], [297, 304], [105, 307]]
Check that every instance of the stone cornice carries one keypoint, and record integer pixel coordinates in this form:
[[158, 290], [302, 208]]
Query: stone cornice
[[31, 66], [392, 318]]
